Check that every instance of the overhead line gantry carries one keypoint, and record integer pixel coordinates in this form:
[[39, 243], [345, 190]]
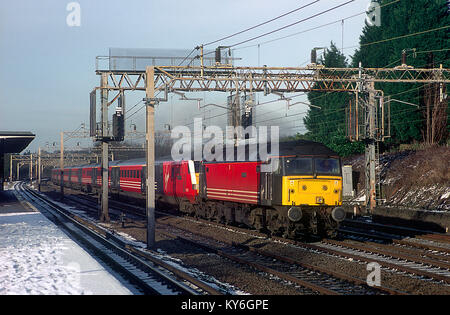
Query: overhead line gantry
[[225, 78]]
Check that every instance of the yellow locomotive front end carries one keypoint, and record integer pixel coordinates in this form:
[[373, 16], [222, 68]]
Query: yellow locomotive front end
[[309, 194], [312, 182]]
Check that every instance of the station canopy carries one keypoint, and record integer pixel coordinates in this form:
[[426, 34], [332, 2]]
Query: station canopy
[[14, 141]]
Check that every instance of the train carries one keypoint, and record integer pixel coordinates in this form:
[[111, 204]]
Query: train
[[299, 194]]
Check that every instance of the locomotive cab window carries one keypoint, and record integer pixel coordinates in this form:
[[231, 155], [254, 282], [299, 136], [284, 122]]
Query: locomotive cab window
[[327, 166], [298, 166]]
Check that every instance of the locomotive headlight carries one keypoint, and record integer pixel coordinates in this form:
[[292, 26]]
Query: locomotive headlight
[[295, 214], [338, 214], [319, 199]]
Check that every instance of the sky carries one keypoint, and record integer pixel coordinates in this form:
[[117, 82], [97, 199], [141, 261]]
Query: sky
[[48, 67]]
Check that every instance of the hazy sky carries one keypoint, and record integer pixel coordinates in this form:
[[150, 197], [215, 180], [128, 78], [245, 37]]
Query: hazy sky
[[48, 67]]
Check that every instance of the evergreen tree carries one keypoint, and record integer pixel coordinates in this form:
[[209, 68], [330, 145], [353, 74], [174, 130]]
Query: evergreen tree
[[382, 47], [327, 124]]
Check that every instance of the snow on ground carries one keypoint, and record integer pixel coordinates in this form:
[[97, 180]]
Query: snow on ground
[[412, 179], [163, 256], [38, 258]]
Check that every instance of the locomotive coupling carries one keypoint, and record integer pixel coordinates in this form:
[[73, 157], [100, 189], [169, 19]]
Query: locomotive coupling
[[338, 214], [295, 214]]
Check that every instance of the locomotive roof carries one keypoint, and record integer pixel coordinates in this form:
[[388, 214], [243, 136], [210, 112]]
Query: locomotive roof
[[305, 147], [290, 148]]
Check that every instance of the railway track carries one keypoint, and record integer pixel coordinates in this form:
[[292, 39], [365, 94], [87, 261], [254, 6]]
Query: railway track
[[426, 258], [413, 264], [316, 280], [306, 278], [396, 231], [146, 273]]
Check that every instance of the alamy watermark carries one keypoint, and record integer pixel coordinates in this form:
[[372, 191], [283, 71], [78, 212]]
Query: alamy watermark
[[235, 144], [373, 14], [374, 277], [74, 17]]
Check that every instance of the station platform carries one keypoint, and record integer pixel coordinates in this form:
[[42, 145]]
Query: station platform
[[37, 258]]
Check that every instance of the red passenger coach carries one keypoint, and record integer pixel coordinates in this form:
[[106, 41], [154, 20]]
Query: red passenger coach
[[180, 180], [233, 181], [130, 177]]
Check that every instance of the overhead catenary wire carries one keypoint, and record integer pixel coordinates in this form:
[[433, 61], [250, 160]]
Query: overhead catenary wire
[[187, 56], [292, 24], [287, 26], [261, 24], [400, 37], [287, 116], [314, 28], [325, 94]]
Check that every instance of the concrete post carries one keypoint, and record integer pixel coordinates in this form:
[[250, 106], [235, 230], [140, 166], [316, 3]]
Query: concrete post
[[104, 217], [150, 156]]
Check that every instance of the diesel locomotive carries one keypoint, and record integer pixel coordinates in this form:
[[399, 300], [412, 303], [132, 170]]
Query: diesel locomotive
[[299, 194]]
